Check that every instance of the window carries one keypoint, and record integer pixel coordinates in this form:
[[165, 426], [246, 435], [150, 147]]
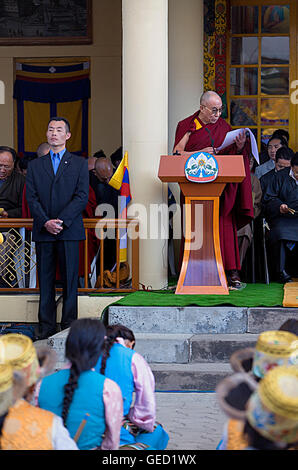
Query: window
[[261, 65]]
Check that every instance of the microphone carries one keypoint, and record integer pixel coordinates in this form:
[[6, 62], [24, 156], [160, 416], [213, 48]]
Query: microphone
[[211, 140], [2, 238]]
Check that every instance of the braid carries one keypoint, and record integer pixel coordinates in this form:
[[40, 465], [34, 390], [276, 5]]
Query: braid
[[108, 343], [69, 390]]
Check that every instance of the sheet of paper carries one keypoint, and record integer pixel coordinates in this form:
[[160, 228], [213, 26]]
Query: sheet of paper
[[230, 139]]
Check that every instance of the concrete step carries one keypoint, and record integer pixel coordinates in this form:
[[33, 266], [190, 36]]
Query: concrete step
[[203, 377], [181, 320], [175, 348], [201, 320], [218, 348], [183, 349]]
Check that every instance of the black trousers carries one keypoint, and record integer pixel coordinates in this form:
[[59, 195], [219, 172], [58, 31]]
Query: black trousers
[[67, 254], [280, 250]]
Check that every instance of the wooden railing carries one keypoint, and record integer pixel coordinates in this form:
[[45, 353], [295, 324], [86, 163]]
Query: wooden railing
[[100, 225]]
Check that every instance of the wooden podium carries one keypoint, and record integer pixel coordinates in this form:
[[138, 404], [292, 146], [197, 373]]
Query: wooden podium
[[202, 270]]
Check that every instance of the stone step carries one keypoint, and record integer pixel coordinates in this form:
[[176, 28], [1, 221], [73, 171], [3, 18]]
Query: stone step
[[203, 377], [201, 320], [174, 348], [183, 349], [218, 348], [180, 320]]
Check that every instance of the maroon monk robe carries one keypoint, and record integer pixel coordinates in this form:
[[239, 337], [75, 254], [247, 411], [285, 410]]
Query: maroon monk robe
[[236, 207]]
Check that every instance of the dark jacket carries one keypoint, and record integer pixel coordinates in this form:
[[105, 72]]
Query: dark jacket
[[282, 190], [62, 196], [11, 194]]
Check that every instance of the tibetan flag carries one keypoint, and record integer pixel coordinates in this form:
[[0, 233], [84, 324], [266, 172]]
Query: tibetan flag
[[120, 181]]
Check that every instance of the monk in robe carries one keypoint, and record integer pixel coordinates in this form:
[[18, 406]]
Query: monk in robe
[[205, 131], [281, 212]]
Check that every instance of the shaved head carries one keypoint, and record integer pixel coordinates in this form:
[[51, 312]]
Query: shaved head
[[210, 107], [209, 95], [43, 149], [103, 169]]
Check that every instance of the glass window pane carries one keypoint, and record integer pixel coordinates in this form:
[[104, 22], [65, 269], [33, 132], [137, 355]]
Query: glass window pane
[[244, 20], [275, 112], [275, 81], [275, 50], [276, 19], [244, 81], [244, 51], [244, 112]]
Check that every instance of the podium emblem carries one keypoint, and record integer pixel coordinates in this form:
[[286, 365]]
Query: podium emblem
[[201, 167]]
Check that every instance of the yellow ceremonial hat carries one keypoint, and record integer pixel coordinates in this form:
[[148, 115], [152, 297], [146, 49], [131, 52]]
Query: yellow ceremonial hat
[[273, 408], [18, 351], [274, 348], [6, 388]]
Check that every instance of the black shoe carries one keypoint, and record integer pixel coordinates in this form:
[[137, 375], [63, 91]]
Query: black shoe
[[284, 277]]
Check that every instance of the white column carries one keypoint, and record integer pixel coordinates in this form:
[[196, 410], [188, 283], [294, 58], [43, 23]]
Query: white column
[[145, 126], [186, 75]]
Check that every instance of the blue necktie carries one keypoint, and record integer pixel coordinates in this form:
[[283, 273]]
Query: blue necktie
[[56, 161]]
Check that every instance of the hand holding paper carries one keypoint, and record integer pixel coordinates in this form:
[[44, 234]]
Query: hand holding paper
[[230, 139]]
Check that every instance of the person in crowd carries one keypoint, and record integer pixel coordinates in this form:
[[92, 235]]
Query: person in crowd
[[282, 133], [92, 160], [116, 158], [263, 155], [267, 411], [205, 131], [11, 193], [281, 210], [245, 234], [11, 184], [291, 324], [57, 189], [89, 212], [272, 349], [43, 149], [79, 394], [23, 426], [121, 363], [107, 206], [274, 143], [282, 160], [23, 164]]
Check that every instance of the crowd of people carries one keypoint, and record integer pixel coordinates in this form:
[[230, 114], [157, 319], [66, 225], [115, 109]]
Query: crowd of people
[[275, 199], [260, 398], [89, 404]]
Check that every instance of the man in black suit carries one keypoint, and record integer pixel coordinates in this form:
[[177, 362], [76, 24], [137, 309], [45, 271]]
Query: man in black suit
[[57, 187]]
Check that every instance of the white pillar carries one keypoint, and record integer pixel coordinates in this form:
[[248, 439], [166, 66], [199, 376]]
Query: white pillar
[[145, 124], [186, 74]]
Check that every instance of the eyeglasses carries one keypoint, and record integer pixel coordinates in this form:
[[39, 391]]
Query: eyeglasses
[[214, 111]]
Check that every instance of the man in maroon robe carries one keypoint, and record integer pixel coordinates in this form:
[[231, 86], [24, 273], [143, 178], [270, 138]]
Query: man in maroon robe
[[205, 131]]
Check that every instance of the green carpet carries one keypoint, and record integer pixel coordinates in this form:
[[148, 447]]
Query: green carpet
[[253, 295]]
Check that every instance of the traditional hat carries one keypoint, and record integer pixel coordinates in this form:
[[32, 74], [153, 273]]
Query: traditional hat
[[233, 393], [18, 351], [274, 348], [6, 388], [272, 410], [242, 360]]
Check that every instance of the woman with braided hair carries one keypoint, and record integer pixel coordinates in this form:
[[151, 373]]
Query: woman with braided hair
[[120, 363], [80, 395]]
